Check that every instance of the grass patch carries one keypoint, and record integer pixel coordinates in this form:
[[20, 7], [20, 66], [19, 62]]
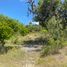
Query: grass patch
[[13, 58], [52, 61]]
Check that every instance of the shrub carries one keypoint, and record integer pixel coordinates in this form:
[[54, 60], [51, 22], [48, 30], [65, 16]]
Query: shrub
[[34, 28], [23, 31], [52, 47], [5, 33], [44, 31], [56, 37], [8, 28], [15, 25]]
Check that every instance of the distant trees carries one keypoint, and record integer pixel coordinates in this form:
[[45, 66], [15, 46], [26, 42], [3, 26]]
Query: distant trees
[[34, 28]]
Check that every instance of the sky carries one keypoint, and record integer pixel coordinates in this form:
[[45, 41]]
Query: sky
[[16, 9]]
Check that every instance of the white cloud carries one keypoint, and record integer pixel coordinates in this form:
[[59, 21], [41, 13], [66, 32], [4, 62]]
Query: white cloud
[[37, 23]]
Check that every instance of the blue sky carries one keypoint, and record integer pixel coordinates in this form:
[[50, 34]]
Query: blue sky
[[16, 9]]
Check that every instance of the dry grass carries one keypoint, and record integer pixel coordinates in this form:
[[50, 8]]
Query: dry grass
[[13, 58], [58, 60]]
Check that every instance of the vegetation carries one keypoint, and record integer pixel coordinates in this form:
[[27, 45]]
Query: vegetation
[[8, 28], [51, 14], [34, 28], [47, 40]]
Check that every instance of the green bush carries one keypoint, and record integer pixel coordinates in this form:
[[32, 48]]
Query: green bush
[[52, 47], [5, 31], [34, 28], [10, 27], [23, 31], [44, 31], [56, 37], [15, 25]]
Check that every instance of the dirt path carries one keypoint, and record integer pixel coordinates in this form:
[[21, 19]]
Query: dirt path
[[32, 54]]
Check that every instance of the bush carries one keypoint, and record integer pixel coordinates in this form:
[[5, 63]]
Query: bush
[[34, 28], [44, 31], [52, 47], [15, 25], [8, 28], [23, 31], [56, 37], [5, 33]]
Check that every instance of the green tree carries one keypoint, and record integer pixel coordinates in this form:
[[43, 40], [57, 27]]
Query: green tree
[[64, 14], [55, 28], [45, 10]]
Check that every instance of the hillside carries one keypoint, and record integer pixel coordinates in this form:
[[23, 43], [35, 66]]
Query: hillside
[[29, 54]]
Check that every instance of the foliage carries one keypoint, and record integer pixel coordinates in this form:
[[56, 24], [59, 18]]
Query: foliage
[[52, 14], [8, 28], [23, 30], [55, 27], [63, 13], [34, 27], [5, 31], [52, 47], [45, 10], [56, 37], [15, 25]]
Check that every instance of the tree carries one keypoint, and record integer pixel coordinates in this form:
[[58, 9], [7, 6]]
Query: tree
[[32, 6], [55, 28], [64, 14], [45, 10], [52, 14]]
